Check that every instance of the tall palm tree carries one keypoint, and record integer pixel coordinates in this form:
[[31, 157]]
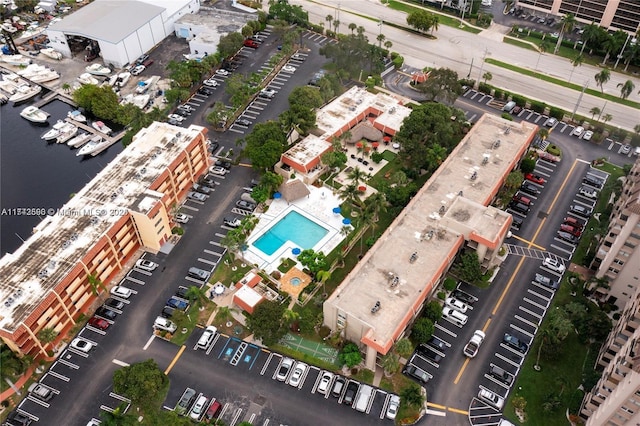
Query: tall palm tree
[[568, 21], [603, 78], [376, 202], [576, 62], [323, 277], [352, 27], [329, 18], [350, 193], [542, 48], [47, 335], [487, 76], [224, 314], [626, 88], [606, 118], [435, 20], [610, 44], [290, 316], [381, 37], [357, 175], [336, 25], [590, 33], [388, 44], [364, 219], [631, 53], [595, 110]]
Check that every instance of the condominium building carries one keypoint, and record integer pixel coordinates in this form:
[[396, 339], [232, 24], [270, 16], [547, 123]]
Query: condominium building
[[615, 399], [56, 275], [386, 290], [610, 14], [617, 256]]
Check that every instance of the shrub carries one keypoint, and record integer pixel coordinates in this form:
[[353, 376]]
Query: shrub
[[499, 94], [484, 88], [506, 116], [556, 113], [554, 150], [449, 284], [537, 106], [350, 355], [377, 157], [398, 61], [394, 55], [442, 295], [422, 330], [519, 100]]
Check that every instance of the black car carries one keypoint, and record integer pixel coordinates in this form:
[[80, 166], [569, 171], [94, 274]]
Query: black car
[[207, 181], [437, 343], [223, 164], [501, 375], [182, 292], [593, 181], [243, 122], [213, 147], [16, 418], [350, 393], [204, 91], [429, 353], [417, 373], [106, 313], [167, 311], [529, 188], [182, 112], [515, 343], [517, 222], [546, 281], [114, 303], [464, 297]]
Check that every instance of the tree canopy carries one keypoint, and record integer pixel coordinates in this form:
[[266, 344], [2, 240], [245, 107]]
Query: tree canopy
[[312, 260], [267, 323], [422, 20], [229, 44], [441, 85], [281, 9], [422, 330], [143, 382], [353, 54], [350, 355], [265, 144]]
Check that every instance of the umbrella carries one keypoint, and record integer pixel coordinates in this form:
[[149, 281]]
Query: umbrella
[[375, 145], [277, 195], [358, 144], [362, 188], [387, 138], [337, 210], [346, 221], [296, 251]]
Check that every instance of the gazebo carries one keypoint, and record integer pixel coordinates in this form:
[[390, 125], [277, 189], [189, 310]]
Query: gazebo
[[294, 190]]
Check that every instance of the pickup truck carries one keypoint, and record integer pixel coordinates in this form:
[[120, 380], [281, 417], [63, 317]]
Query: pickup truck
[[471, 349]]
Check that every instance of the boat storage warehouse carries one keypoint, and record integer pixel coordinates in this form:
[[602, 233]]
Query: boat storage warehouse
[[123, 29]]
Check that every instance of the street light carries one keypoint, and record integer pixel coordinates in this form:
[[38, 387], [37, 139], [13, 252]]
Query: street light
[[464, 9], [620, 55], [380, 35]]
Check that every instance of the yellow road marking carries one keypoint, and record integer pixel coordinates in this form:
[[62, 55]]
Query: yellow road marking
[[434, 405], [464, 366], [530, 243], [455, 410], [445, 408], [244, 165], [175, 359]]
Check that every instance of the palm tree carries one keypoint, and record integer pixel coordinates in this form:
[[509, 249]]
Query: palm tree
[[543, 133], [376, 202], [364, 219], [606, 118], [568, 22], [290, 316], [576, 62], [323, 276], [350, 193], [336, 25], [224, 314], [626, 88], [435, 20], [95, 283], [194, 293], [329, 18], [47, 335], [591, 33], [388, 44], [593, 111], [487, 76], [636, 129], [352, 27], [542, 48], [360, 30], [602, 78], [391, 363], [630, 54], [357, 175], [381, 37], [404, 347], [609, 45]]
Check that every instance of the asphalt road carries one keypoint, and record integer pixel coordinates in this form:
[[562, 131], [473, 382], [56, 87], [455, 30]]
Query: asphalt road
[[463, 52]]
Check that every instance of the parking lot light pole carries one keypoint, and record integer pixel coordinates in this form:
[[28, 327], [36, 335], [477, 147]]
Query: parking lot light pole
[[586, 84]]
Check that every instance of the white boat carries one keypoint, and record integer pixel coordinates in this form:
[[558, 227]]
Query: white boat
[[140, 101], [8, 28], [25, 92], [51, 53], [97, 69], [79, 140], [101, 127], [122, 79], [3, 99], [54, 132], [8, 86], [17, 60], [95, 146], [87, 78], [34, 114], [77, 116], [38, 73], [67, 131]]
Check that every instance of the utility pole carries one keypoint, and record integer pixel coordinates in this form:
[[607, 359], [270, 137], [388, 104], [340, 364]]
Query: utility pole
[[622, 51], [586, 84], [380, 35], [486, 52]]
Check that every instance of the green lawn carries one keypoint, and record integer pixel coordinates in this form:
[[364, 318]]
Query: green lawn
[[518, 43], [442, 19]]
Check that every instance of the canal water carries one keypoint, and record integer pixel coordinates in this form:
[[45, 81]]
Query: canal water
[[35, 174]]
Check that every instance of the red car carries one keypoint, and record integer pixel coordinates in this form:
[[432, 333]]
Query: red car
[[535, 178], [99, 323], [573, 230], [250, 43]]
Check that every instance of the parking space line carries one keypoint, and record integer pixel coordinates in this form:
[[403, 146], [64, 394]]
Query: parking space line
[[214, 253], [562, 249], [57, 375], [68, 364], [541, 296], [537, 305], [526, 321], [521, 330], [266, 365], [215, 243], [38, 401], [451, 333], [236, 417], [135, 280], [208, 262], [522, 308], [504, 358]]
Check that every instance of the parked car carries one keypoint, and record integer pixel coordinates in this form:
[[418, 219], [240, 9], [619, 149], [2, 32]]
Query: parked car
[[520, 198], [534, 178], [417, 373], [572, 229], [41, 392], [114, 303], [437, 343], [454, 316], [587, 135], [232, 222], [516, 110], [121, 291], [568, 237], [428, 352], [283, 371], [138, 69], [146, 265], [588, 192], [593, 181], [176, 117], [210, 82], [350, 393], [553, 264], [392, 408], [161, 323], [222, 72], [217, 170], [546, 281], [465, 297], [551, 122], [515, 343], [500, 374], [491, 398], [243, 122], [223, 163], [81, 345], [201, 189], [16, 418], [576, 223], [181, 218], [456, 304], [267, 93], [529, 188], [107, 313], [245, 205], [197, 411], [178, 303], [577, 131], [205, 91], [185, 401], [580, 210], [625, 149], [298, 372], [167, 312], [298, 57], [338, 386], [196, 196], [186, 107], [99, 323], [250, 43], [325, 381], [289, 68]]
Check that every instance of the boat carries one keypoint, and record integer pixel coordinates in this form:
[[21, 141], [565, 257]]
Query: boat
[[8, 86], [122, 79], [101, 127], [67, 131], [77, 116], [54, 132], [34, 114], [17, 60], [97, 69], [87, 78], [25, 92], [79, 140], [3, 99], [140, 101], [96, 145], [51, 53], [38, 73]]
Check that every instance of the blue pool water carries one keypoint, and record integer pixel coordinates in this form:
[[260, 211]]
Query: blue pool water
[[293, 227]]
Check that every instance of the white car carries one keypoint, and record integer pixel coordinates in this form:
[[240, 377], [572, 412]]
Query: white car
[[587, 135], [267, 93], [578, 131], [176, 117], [325, 381], [551, 122], [210, 82], [121, 291], [222, 72], [137, 70], [298, 372], [146, 265], [283, 371], [165, 324], [217, 170], [456, 304], [625, 149], [588, 192], [491, 398], [81, 345], [553, 264], [288, 68], [392, 408], [181, 218]]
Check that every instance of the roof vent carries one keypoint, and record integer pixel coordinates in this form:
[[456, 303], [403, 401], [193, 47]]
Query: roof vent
[[496, 144], [17, 293], [392, 110], [8, 302], [507, 130], [120, 190], [66, 244], [442, 210], [74, 236], [376, 307], [94, 220], [474, 175], [52, 264], [485, 158], [143, 170], [43, 273], [114, 196], [179, 134]]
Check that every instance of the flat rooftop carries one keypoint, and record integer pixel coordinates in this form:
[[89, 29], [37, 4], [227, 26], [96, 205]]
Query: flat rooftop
[[307, 150], [448, 209], [356, 101], [61, 240]]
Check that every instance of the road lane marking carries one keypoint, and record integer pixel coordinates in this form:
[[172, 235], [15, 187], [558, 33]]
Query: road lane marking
[[175, 359], [120, 363], [146, 346]]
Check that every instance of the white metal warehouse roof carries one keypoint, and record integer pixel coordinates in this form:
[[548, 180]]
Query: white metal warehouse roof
[[108, 20]]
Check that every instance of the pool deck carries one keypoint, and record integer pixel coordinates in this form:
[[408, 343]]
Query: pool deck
[[317, 206]]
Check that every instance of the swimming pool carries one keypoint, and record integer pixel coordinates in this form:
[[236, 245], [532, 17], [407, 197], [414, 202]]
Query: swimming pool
[[294, 227]]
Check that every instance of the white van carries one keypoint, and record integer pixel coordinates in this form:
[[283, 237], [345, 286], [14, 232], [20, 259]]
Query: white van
[[636, 151], [509, 106], [456, 317], [363, 398], [207, 337], [197, 411]]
